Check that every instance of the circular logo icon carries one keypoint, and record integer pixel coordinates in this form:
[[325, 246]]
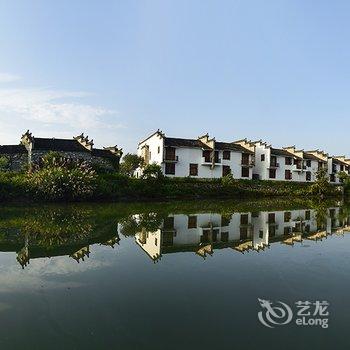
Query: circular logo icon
[[274, 314]]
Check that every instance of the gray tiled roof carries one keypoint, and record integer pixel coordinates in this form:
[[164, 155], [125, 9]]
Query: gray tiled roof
[[103, 153], [53, 144], [11, 149], [178, 142]]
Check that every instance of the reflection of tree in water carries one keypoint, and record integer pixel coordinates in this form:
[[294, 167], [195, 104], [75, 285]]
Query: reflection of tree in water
[[58, 227], [149, 222], [55, 231], [321, 214]]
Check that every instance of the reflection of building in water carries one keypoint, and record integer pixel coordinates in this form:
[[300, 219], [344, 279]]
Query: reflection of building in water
[[81, 254], [203, 233], [29, 248]]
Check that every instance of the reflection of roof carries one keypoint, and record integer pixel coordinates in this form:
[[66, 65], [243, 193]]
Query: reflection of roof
[[53, 144], [11, 149], [16, 243]]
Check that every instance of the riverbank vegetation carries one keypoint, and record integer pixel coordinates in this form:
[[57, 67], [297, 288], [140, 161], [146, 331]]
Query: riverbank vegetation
[[59, 179]]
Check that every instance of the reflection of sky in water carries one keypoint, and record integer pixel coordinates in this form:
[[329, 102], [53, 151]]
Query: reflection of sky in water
[[119, 298], [46, 270]]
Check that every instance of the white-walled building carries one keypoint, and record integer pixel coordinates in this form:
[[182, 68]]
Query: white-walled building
[[286, 164], [203, 157], [337, 164]]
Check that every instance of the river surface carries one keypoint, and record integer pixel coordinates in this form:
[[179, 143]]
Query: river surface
[[189, 275]]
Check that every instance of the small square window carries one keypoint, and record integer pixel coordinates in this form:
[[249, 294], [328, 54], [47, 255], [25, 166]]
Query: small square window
[[272, 173], [263, 157], [245, 171], [224, 236], [170, 168], [192, 222], [307, 215], [287, 216], [193, 169], [226, 155]]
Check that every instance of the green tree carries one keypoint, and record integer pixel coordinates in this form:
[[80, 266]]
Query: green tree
[[343, 176], [152, 171], [321, 186], [130, 163], [345, 179], [4, 163], [58, 178]]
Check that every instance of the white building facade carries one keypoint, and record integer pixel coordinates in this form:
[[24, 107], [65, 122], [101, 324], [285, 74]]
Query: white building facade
[[203, 157], [337, 165], [286, 164]]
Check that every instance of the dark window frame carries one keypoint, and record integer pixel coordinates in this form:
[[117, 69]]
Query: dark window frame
[[169, 169], [192, 221], [226, 155], [193, 169], [245, 172]]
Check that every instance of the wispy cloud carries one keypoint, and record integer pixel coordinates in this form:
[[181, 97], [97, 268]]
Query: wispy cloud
[[49, 112], [8, 78], [51, 107]]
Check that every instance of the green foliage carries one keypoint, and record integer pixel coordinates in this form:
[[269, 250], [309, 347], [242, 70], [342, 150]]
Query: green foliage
[[73, 181], [62, 179], [343, 176], [4, 163], [345, 179], [12, 185], [149, 222], [321, 186], [130, 163], [152, 171], [51, 158], [228, 180]]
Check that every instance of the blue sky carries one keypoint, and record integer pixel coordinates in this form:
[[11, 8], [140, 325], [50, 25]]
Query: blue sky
[[118, 70]]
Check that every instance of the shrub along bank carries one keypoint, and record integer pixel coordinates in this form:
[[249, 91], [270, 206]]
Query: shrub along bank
[[82, 184], [55, 178]]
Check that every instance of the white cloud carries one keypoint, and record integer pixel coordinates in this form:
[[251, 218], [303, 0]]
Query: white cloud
[[8, 78], [50, 107]]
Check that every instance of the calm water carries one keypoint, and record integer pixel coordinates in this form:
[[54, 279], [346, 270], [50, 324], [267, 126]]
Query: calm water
[[173, 276]]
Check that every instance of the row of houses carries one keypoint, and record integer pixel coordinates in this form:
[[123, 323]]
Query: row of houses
[[203, 233], [205, 157], [31, 150]]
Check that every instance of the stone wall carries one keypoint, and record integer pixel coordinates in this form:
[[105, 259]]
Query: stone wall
[[17, 161], [102, 162], [36, 156], [105, 163]]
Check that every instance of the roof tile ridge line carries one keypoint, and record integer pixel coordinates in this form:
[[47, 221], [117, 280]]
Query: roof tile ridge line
[[159, 132]]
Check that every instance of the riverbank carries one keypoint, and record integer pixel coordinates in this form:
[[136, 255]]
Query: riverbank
[[118, 188]]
